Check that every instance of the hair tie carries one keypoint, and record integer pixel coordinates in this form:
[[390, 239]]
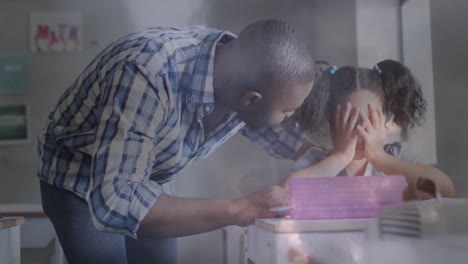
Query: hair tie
[[332, 70], [377, 69]]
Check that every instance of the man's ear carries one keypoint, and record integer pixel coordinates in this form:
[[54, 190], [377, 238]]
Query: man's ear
[[250, 98]]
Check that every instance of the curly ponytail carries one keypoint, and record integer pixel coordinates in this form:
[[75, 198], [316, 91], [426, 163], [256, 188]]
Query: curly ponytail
[[403, 94]]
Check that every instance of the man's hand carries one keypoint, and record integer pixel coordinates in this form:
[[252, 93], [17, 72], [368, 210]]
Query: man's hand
[[258, 205], [175, 217]]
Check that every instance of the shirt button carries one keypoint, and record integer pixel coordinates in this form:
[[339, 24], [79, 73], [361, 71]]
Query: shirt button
[[207, 108]]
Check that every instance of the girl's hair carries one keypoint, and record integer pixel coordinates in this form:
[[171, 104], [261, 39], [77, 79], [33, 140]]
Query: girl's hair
[[403, 94], [310, 115], [399, 90]]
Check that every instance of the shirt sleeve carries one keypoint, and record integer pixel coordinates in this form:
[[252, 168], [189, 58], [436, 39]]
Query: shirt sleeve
[[124, 152], [313, 156], [283, 141]]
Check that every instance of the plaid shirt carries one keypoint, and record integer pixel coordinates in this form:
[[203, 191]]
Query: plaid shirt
[[133, 119]]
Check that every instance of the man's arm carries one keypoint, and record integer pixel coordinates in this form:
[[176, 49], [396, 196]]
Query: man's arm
[[123, 199], [328, 166], [131, 112], [175, 217], [284, 141]]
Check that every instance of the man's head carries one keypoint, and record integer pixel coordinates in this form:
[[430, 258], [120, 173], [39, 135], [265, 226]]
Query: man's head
[[270, 74]]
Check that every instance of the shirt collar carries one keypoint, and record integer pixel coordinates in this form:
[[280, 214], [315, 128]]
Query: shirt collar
[[201, 91]]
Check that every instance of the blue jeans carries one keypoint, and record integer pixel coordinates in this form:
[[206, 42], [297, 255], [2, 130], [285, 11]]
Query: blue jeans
[[82, 243]]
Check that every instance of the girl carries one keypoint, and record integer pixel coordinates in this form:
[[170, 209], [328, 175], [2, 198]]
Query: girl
[[361, 108]]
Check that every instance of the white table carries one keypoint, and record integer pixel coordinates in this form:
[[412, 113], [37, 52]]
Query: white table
[[37, 232], [270, 241], [10, 240], [233, 245]]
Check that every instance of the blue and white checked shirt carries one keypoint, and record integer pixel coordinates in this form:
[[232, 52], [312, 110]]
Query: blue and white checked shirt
[[133, 119]]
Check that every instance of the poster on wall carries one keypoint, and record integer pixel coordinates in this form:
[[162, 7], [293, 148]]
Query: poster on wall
[[14, 128], [56, 31], [14, 73]]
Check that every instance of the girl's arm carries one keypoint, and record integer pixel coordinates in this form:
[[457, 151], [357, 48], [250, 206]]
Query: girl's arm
[[373, 134], [415, 174], [329, 166], [344, 139]]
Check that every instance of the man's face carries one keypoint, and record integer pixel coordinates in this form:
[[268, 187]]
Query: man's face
[[273, 107]]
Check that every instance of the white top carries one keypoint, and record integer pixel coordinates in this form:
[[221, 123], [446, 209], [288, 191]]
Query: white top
[[302, 226]]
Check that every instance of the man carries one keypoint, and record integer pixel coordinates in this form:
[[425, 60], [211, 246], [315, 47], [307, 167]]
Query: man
[[147, 106]]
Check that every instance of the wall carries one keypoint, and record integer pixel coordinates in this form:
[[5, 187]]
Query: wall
[[328, 25], [52, 73], [377, 31], [417, 55], [450, 58], [238, 167]]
